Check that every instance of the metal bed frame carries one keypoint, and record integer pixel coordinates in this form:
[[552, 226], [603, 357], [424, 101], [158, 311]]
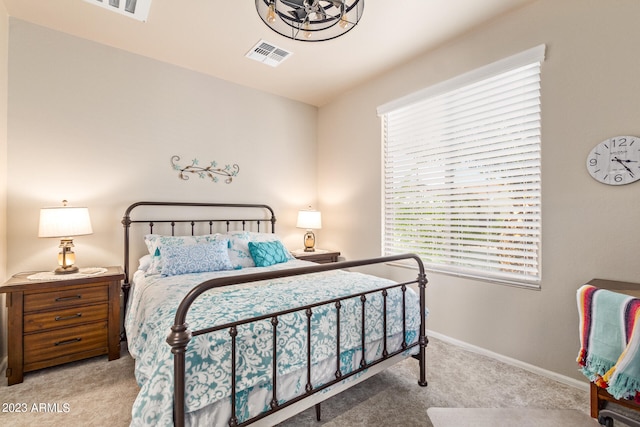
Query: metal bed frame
[[180, 335]]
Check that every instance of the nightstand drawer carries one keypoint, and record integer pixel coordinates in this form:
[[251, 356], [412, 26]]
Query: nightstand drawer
[[64, 342], [65, 317], [66, 297]]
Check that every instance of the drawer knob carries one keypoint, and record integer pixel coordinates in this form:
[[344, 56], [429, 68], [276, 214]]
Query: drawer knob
[[73, 316], [71, 341], [68, 298]]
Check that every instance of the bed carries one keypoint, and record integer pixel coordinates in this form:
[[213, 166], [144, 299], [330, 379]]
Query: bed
[[227, 328]]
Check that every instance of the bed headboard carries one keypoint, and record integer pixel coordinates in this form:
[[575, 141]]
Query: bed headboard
[[185, 218]]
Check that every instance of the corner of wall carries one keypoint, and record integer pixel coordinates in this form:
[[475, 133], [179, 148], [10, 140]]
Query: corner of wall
[[4, 89]]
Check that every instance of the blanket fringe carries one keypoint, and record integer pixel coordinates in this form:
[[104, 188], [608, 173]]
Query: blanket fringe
[[623, 386], [596, 367], [582, 357]]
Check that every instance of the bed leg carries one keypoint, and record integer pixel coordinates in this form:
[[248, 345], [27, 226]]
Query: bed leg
[[422, 359], [318, 411], [422, 339], [125, 298]]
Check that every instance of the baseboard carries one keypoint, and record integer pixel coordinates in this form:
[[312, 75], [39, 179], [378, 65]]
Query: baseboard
[[511, 361]]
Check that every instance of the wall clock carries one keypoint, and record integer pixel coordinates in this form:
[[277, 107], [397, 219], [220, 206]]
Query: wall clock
[[615, 161]]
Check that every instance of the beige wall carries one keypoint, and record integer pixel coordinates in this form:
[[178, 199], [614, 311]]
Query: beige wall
[[590, 91], [97, 126], [4, 57]]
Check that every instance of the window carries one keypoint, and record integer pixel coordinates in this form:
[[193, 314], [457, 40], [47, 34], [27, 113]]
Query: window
[[462, 173]]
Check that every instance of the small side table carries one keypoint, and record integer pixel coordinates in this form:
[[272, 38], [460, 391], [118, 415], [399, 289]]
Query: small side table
[[318, 256], [61, 320]]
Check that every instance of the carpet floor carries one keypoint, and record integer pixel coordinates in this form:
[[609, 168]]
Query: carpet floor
[[95, 392], [508, 417]]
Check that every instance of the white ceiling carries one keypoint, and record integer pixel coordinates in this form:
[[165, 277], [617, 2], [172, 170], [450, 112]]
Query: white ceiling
[[213, 36]]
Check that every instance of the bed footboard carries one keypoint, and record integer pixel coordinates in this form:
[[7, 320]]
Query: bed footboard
[[180, 335]]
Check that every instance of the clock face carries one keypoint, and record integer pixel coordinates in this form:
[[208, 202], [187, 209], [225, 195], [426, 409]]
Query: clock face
[[615, 161]]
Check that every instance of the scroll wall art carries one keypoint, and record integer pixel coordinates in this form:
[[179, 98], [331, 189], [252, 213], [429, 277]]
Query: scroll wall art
[[228, 172]]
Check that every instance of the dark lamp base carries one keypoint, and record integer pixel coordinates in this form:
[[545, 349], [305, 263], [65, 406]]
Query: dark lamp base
[[68, 270]]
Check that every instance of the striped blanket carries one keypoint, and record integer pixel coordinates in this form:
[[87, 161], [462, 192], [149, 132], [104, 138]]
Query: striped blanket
[[610, 341]]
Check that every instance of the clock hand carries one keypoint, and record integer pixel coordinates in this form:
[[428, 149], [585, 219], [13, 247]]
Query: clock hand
[[625, 166]]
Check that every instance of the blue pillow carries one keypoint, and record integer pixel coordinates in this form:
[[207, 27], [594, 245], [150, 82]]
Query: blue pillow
[[197, 258], [265, 254]]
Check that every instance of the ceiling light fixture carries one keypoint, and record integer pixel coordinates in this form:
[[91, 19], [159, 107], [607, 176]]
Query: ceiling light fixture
[[310, 20]]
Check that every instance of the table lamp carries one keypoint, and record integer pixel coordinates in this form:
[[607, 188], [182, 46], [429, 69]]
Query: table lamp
[[64, 222], [310, 220]]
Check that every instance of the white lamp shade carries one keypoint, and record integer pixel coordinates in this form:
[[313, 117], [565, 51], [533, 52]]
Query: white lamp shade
[[310, 220], [64, 221]]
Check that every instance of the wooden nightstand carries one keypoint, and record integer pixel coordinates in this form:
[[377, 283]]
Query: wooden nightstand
[[59, 321], [318, 256]]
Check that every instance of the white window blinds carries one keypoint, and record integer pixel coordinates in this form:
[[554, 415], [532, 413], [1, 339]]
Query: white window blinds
[[462, 173]]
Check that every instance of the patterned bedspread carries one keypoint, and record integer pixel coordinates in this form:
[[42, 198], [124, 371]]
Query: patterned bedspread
[[151, 313]]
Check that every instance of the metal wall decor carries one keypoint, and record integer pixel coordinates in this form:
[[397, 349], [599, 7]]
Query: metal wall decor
[[310, 20], [212, 171]]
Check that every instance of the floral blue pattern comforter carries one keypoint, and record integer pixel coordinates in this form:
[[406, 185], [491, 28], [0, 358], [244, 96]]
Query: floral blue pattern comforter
[[151, 312]]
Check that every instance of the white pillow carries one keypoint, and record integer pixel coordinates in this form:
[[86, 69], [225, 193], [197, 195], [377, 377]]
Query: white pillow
[[144, 262]]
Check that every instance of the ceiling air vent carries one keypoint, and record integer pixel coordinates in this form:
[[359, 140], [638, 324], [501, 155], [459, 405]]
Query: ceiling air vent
[[268, 53], [136, 9]]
